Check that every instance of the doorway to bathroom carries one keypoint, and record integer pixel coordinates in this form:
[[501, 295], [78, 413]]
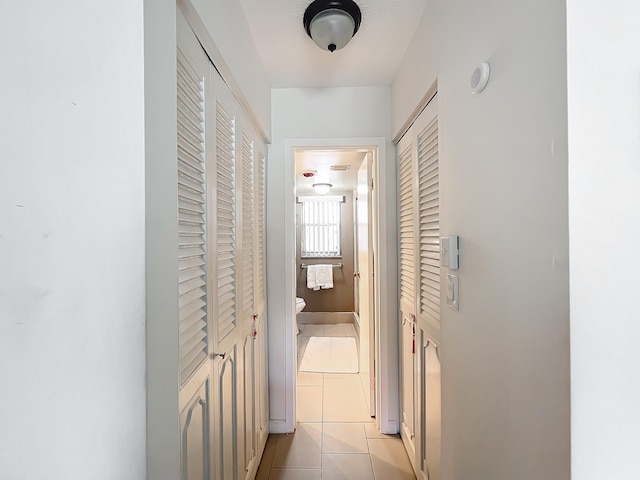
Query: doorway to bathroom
[[334, 287]]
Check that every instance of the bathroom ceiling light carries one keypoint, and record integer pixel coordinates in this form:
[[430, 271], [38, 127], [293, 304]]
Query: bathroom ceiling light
[[322, 188], [332, 23]]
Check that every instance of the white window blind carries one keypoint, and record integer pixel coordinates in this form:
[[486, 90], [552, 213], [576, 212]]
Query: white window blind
[[192, 256], [429, 217], [247, 223], [260, 227], [320, 226], [226, 222], [407, 242]]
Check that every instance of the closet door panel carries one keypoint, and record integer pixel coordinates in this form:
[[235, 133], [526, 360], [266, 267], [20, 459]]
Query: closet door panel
[[428, 301], [419, 232], [407, 226], [226, 412], [261, 391], [194, 149], [195, 435]]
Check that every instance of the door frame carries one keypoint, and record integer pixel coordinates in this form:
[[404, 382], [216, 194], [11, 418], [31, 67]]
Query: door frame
[[385, 279]]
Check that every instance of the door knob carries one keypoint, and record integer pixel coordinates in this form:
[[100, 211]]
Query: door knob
[[214, 355]]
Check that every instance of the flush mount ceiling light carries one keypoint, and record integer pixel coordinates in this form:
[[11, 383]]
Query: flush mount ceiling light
[[322, 188], [332, 23]]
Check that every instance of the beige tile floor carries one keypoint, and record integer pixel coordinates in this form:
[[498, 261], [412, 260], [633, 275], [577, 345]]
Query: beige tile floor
[[336, 438]]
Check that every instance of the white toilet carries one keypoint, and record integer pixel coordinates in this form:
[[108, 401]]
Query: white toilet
[[300, 304]]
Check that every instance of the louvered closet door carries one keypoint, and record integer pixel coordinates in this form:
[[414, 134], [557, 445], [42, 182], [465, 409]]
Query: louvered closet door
[[408, 223], [262, 380], [229, 433], [247, 322], [428, 431], [194, 115], [419, 232]]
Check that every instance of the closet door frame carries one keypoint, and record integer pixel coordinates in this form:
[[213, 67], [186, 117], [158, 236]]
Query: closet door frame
[[424, 447]]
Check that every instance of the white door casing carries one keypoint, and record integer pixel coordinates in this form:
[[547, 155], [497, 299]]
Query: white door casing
[[365, 260]]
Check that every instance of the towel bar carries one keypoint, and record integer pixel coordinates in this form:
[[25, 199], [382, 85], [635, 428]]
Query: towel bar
[[334, 265]]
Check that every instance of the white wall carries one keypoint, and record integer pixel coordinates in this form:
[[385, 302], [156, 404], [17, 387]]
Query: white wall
[[302, 116], [503, 180], [604, 207], [72, 311]]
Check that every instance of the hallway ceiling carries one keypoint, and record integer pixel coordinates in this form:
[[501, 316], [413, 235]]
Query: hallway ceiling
[[321, 161], [291, 59]]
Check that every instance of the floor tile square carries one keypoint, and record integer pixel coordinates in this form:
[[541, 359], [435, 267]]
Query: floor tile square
[[267, 458], [389, 459], [302, 345], [295, 474], [372, 432], [339, 379], [309, 403], [313, 330], [348, 467], [301, 449], [310, 378], [336, 330], [344, 403], [344, 438]]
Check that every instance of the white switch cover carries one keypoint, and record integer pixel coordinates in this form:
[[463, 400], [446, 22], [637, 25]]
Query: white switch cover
[[452, 291], [449, 251]]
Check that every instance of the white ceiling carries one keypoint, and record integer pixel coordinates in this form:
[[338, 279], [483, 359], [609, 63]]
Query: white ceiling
[[320, 161], [291, 59]]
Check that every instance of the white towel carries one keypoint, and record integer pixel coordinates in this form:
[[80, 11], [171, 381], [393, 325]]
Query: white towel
[[326, 273], [321, 275], [312, 280]]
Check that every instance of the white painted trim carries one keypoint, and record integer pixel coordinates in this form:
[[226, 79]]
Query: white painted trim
[[422, 104], [387, 413]]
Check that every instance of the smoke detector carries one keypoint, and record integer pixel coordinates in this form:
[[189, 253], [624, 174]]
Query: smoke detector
[[340, 168]]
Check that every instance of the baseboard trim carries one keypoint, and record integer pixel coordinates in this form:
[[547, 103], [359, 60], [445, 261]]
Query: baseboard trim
[[324, 317]]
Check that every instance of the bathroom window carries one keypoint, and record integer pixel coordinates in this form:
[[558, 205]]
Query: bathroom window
[[320, 226]]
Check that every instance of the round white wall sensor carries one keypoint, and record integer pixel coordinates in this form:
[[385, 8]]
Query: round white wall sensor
[[480, 77]]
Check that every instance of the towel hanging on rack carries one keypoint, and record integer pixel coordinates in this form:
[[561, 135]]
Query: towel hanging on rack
[[312, 277], [319, 277], [327, 277]]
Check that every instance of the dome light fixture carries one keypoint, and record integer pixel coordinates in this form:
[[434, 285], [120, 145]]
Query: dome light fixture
[[322, 188], [332, 23]]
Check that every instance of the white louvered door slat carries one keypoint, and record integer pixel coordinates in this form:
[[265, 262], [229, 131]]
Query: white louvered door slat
[[407, 242], [247, 227], [429, 208], [192, 257], [260, 231], [225, 223]]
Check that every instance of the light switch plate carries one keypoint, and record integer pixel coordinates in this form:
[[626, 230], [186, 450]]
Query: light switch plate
[[450, 251], [452, 291]]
